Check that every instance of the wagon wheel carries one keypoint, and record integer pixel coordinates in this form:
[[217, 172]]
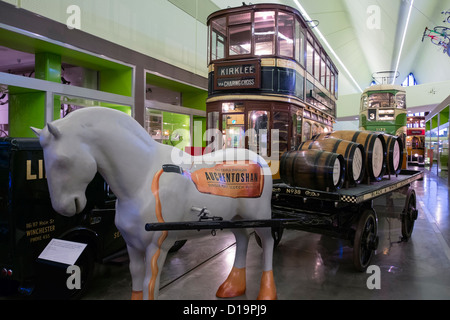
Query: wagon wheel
[[366, 240], [409, 215], [277, 234]]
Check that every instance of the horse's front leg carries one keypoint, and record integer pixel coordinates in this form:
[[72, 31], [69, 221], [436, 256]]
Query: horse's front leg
[[235, 284], [156, 254], [137, 271], [267, 289]]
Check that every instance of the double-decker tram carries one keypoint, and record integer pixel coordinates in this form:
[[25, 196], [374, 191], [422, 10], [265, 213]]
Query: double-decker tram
[[267, 71], [415, 140], [383, 108]]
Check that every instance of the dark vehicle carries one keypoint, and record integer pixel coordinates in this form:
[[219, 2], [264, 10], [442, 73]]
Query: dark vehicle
[[28, 223]]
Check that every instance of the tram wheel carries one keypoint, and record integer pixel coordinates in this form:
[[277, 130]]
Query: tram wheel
[[366, 240], [277, 234], [409, 215]]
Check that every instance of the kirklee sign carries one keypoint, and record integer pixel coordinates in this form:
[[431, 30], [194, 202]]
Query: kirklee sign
[[237, 75]]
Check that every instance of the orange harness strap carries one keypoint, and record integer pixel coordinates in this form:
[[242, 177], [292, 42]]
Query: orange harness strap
[[159, 217]]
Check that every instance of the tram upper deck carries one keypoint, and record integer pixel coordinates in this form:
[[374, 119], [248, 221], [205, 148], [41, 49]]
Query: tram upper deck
[[268, 70]]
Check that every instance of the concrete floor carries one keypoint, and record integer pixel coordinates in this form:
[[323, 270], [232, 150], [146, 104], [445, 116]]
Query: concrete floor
[[312, 266]]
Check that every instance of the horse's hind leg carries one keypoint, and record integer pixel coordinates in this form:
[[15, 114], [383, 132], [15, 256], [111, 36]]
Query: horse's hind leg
[[137, 271], [267, 289], [235, 284]]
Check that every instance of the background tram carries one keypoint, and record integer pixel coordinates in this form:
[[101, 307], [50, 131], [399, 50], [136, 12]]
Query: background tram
[[383, 108], [415, 140], [267, 70]]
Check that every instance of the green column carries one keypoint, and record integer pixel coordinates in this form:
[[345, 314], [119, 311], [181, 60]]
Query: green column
[[27, 107]]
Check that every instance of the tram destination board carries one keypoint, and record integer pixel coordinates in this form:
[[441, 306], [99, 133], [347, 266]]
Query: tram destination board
[[237, 75]]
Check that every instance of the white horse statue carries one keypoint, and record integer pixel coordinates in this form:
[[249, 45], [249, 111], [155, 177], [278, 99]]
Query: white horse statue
[[112, 143]]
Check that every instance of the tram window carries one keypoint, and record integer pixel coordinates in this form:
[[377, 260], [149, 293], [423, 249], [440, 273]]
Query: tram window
[[316, 129], [316, 65], [381, 100], [232, 107], [258, 123], [401, 100], [285, 34], [309, 58], [306, 135], [299, 43], [332, 89], [296, 128], [240, 39], [233, 130], [364, 102], [322, 72], [327, 82], [264, 33], [213, 120], [281, 123], [218, 38]]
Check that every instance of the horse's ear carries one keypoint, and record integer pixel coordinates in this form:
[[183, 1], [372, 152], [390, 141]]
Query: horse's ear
[[53, 130], [36, 131]]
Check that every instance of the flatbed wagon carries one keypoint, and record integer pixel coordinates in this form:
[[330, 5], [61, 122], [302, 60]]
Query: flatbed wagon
[[349, 213]]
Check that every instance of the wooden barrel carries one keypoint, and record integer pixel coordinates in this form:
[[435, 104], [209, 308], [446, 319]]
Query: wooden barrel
[[374, 147], [394, 149], [313, 169], [352, 152]]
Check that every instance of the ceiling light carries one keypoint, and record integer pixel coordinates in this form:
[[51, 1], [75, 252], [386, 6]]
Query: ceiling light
[[324, 41], [403, 39]]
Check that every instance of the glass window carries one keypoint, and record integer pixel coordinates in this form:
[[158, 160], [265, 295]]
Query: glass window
[[286, 34], [401, 100], [258, 125], [296, 128], [281, 123], [264, 33], [309, 58], [213, 120], [306, 131], [240, 39], [327, 84], [322, 72], [233, 130], [218, 38], [316, 65], [381, 100], [299, 44]]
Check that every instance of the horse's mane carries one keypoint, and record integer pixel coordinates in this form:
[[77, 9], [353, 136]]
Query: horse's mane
[[91, 118]]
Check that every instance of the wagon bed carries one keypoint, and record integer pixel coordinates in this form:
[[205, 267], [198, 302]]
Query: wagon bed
[[347, 214]]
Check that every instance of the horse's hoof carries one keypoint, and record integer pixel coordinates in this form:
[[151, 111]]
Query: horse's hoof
[[234, 286], [137, 295], [267, 289]]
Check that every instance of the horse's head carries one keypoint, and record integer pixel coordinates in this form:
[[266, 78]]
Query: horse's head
[[69, 167]]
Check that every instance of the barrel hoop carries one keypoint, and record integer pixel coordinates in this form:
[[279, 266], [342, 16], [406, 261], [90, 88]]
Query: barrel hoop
[[301, 145], [348, 150], [336, 146], [355, 136], [329, 175]]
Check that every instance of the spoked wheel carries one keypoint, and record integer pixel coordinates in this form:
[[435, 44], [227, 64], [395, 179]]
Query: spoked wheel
[[366, 240], [409, 215]]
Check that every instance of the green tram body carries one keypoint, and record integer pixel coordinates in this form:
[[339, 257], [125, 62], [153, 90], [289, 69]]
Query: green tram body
[[383, 109]]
